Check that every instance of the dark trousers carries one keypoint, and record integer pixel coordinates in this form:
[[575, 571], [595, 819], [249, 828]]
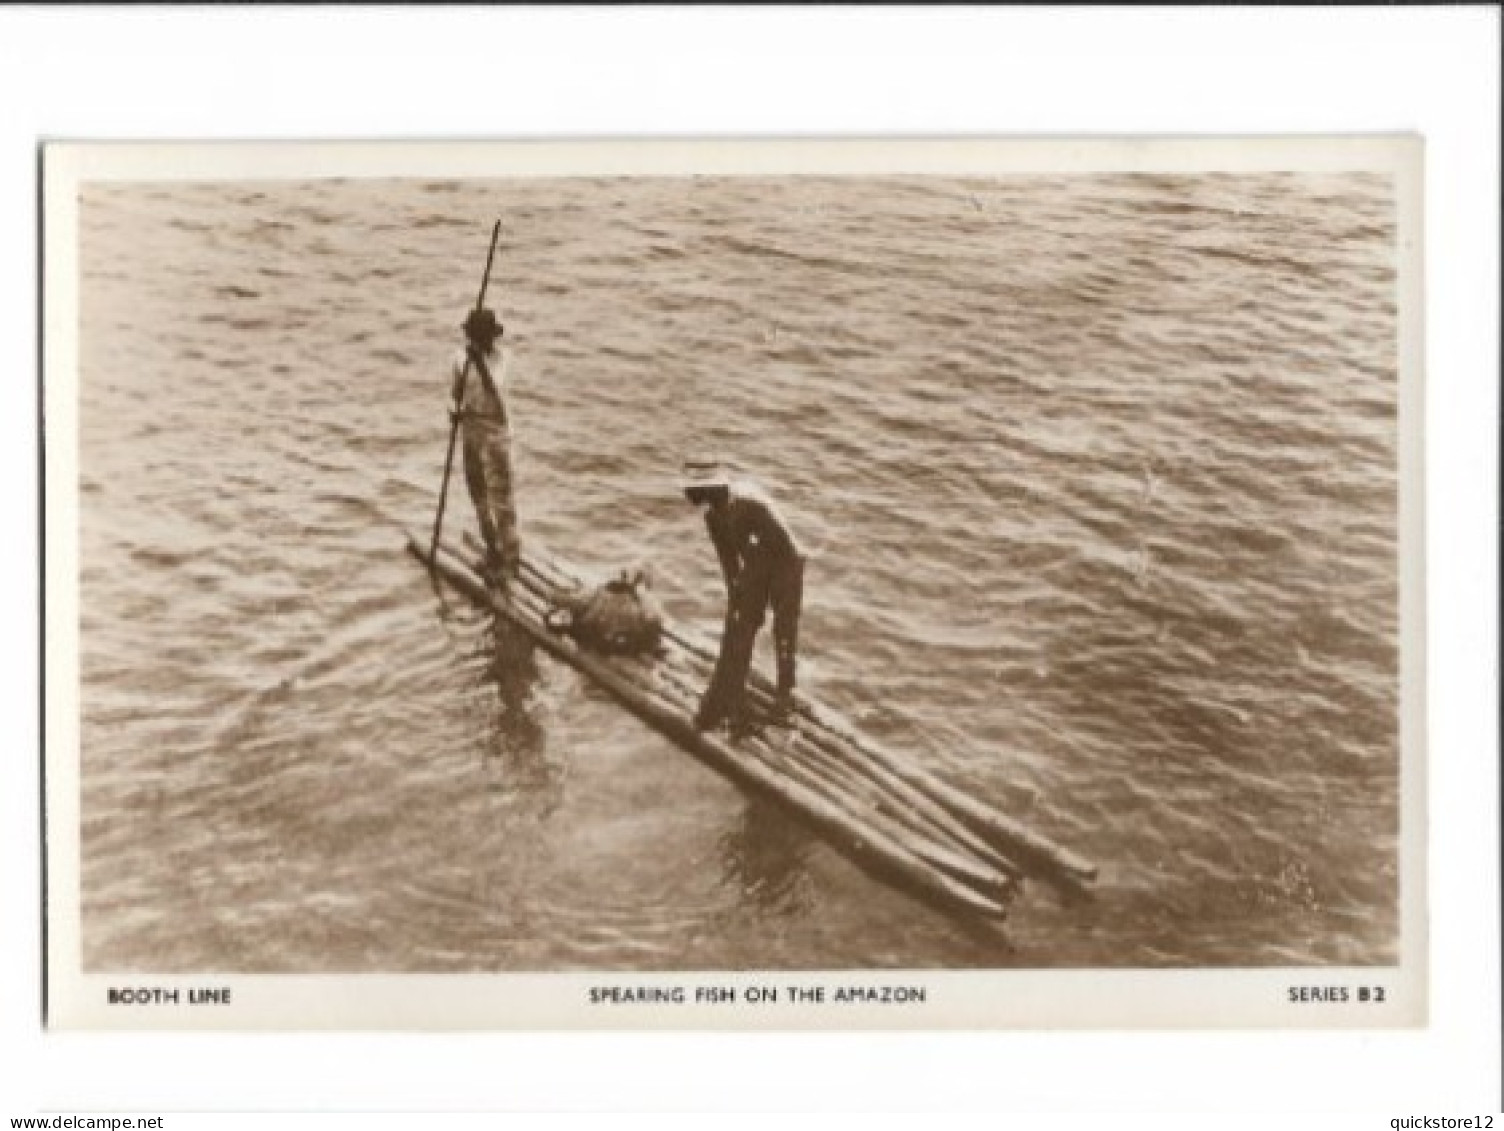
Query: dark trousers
[[764, 583]]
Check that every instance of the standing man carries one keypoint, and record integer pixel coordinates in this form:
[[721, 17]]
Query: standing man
[[475, 401], [764, 568]]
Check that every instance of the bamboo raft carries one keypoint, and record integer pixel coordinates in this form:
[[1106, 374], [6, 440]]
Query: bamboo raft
[[891, 817]]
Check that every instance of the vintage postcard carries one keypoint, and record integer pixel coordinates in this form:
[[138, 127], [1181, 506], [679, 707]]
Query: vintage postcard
[[734, 585]]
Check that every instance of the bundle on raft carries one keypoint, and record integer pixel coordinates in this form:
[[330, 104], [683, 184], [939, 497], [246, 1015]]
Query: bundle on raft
[[888, 815]]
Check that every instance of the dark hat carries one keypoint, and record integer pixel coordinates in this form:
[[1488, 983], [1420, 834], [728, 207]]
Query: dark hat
[[481, 323]]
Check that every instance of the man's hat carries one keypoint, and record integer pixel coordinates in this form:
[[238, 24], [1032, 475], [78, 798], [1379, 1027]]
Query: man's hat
[[705, 471], [481, 323]]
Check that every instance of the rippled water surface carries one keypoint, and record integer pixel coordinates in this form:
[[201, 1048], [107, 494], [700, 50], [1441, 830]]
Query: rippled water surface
[[1099, 472]]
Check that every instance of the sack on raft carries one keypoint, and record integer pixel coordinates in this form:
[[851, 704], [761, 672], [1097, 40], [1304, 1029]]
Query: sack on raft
[[618, 617]]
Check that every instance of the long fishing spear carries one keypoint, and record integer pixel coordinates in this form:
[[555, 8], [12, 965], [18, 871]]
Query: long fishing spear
[[454, 425]]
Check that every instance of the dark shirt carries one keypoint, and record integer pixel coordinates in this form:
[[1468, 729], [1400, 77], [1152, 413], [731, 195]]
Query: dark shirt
[[748, 524]]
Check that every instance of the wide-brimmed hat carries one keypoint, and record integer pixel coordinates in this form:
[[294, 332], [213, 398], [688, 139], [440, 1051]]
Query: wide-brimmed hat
[[705, 471], [481, 323]]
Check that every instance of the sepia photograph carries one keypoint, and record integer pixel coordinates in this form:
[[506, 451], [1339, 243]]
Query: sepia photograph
[[692, 584]]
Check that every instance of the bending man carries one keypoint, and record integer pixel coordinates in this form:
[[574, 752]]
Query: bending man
[[764, 568], [476, 401]]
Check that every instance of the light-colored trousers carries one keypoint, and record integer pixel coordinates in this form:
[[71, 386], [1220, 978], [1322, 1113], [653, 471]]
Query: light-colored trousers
[[488, 473]]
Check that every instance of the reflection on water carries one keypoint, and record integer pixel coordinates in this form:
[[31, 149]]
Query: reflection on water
[[516, 757]]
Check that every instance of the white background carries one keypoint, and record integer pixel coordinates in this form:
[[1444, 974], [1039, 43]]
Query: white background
[[591, 73]]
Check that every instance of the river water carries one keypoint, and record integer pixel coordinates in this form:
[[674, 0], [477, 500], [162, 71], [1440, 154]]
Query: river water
[[1099, 475]]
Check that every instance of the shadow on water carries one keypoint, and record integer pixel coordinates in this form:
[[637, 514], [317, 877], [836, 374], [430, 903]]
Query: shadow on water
[[763, 855]]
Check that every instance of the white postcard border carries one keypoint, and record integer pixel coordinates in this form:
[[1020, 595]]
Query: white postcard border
[[1097, 999]]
